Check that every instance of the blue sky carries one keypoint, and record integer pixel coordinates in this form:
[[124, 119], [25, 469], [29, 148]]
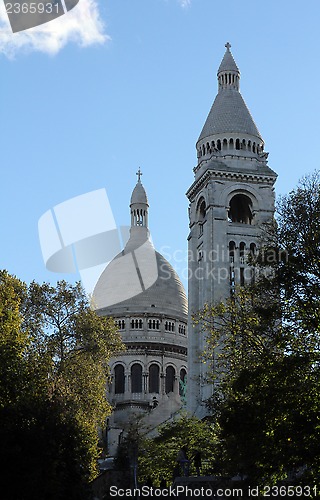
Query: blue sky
[[88, 101]]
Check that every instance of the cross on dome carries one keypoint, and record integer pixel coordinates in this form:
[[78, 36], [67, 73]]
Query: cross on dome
[[139, 174]]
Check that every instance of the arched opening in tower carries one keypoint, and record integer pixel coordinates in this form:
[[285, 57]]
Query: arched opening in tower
[[201, 210], [240, 209]]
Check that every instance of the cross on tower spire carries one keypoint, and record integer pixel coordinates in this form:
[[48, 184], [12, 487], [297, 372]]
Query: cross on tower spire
[[139, 174], [228, 45]]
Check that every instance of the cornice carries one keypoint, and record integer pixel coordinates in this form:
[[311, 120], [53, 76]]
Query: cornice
[[229, 175]]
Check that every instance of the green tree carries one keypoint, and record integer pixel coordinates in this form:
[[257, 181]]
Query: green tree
[[54, 352], [157, 456], [264, 345]]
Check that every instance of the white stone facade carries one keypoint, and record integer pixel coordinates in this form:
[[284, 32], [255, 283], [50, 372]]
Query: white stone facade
[[144, 295], [230, 199]]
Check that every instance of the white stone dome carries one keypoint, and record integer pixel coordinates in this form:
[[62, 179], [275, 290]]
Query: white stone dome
[[140, 280], [139, 195]]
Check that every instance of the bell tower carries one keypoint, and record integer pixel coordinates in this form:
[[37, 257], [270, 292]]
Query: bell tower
[[231, 197]]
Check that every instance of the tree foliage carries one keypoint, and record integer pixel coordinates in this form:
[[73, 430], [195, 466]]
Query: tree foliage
[[54, 353], [264, 345], [157, 456]]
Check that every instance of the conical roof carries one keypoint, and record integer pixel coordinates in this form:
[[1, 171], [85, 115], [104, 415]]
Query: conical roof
[[228, 63], [229, 112]]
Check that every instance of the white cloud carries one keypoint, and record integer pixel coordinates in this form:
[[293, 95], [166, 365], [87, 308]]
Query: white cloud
[[82, 25], [184, 3]]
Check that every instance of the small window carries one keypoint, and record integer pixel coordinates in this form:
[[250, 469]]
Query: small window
[[182, 329], [242, 248], [183, 383], [170, 377], [136, 324], [136, 378], [121, 324], [169, 326], [154, 324], [232, 247], [201, 210], [154, 378], [119, 379]]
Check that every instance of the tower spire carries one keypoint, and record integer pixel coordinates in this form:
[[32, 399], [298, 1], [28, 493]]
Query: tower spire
[[139, 204], [228, 72], [229, 131]]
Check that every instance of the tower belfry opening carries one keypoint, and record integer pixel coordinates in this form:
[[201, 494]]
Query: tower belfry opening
[[240, 209]]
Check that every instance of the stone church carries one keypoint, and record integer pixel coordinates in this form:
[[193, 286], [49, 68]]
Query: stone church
[[142, 292], [231, 197]]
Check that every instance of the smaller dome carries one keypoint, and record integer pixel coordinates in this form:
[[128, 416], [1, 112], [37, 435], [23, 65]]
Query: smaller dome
[[139, 195]]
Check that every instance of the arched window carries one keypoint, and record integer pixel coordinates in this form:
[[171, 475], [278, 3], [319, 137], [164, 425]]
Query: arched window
[[240, 209], [232, 247], [121, 324], [136, 324], [170, 376], [119, 379], [136, 378], [201, 210], [182, 329], [154, 378], [225, 144], [242, 248], [182, 382]]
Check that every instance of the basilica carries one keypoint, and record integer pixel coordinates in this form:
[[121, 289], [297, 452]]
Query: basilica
[[231, 197]]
